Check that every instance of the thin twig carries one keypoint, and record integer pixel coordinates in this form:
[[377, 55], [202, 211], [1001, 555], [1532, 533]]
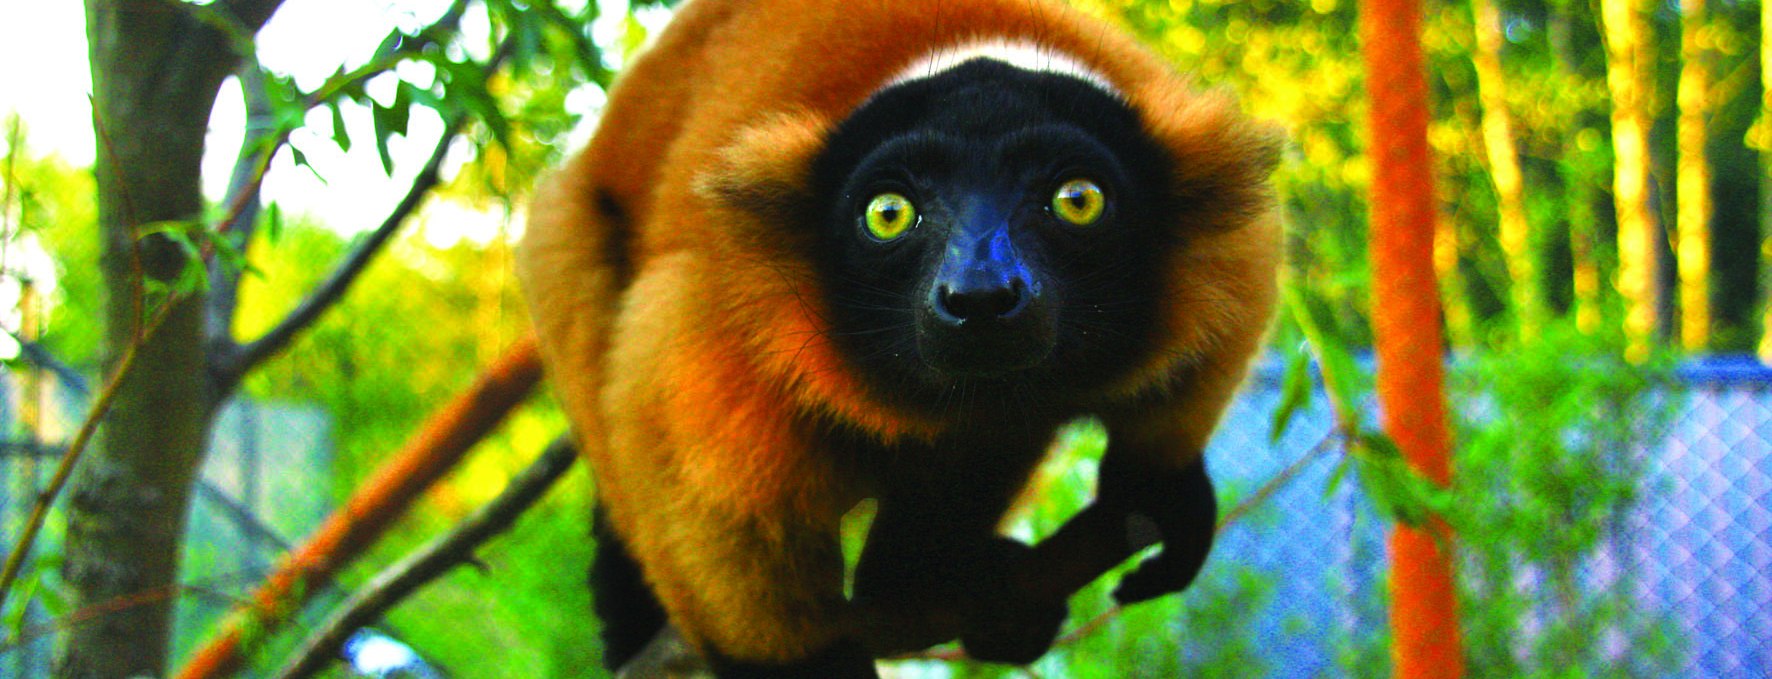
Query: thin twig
[[1278, 481], [211, 588], [230, 366], [431, 561]]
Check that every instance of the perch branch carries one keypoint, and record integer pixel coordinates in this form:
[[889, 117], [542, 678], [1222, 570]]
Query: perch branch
[[1256, 499], [431, 561], [372, 509], [1086, 548]]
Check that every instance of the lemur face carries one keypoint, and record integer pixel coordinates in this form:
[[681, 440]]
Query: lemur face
[[992, 233]]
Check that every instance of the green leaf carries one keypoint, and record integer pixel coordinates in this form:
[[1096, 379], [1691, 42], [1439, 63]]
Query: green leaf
[[586, 54], [526, 39], [1341, 375], [400, 116], [340, 135], [193, 275], [289, 108], [170, 226], [1337, 476], [273, 222], [1381, 470], [1396, 488], [467, 89], [230, 255], [389, 45], [383, 118], [1295, 392], [301, 160]]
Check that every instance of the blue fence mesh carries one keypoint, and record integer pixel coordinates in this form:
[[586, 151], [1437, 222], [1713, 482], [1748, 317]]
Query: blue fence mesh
[[1680, 583]]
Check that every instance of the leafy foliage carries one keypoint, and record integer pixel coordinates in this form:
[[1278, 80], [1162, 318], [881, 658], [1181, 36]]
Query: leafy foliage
[[1554, 445]]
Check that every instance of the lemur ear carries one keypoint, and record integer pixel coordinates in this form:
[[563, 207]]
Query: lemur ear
[[766, 170], [1222, 158]]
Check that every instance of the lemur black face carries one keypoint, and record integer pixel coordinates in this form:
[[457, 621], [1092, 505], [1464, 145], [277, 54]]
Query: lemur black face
[[992, 234]]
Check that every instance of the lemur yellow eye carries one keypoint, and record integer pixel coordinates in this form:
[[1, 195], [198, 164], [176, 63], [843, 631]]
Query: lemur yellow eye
[[1078, 201], [889, 215]]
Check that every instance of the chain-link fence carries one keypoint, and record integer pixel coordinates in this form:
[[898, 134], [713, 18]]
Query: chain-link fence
[[1677, 584], [265, 483]]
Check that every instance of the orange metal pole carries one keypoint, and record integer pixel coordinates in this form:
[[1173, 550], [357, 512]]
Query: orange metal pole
[[1406, 320]]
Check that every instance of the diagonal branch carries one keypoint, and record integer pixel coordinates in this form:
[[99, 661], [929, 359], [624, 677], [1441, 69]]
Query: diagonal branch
[[35, 353], [228, 367], [431, 561], [371, 510]]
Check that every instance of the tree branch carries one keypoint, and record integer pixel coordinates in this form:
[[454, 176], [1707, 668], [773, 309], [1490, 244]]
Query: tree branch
[[372, 509], [1083, 550], [667, 655], [253, 13], [431, 561], [242, 217], [229, 361], [35, 353], [229, 367]]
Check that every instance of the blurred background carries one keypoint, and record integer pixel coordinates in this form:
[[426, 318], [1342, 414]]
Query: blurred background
[[1602, 237]]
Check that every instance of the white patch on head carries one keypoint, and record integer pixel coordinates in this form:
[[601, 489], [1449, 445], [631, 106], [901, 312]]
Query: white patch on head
[[1024, 55]]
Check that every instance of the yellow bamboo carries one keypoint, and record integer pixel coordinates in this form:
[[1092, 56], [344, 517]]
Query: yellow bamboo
[[1628, 59], [1765, 133], [1460, 327], [1504, 168], [1693, 217]]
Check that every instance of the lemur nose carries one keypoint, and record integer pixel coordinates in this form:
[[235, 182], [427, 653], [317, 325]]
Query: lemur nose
[[982, 300]]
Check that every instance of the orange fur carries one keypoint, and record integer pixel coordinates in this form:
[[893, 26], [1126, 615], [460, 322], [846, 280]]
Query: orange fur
[[692, 387]]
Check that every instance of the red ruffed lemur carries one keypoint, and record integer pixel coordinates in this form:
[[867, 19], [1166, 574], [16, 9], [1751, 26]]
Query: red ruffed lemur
[[825, 250]]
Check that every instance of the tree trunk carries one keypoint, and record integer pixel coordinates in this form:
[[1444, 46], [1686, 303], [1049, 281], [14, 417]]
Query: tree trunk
[[1693, 184], [1504, 171], [1628, 66], [155, 71]]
